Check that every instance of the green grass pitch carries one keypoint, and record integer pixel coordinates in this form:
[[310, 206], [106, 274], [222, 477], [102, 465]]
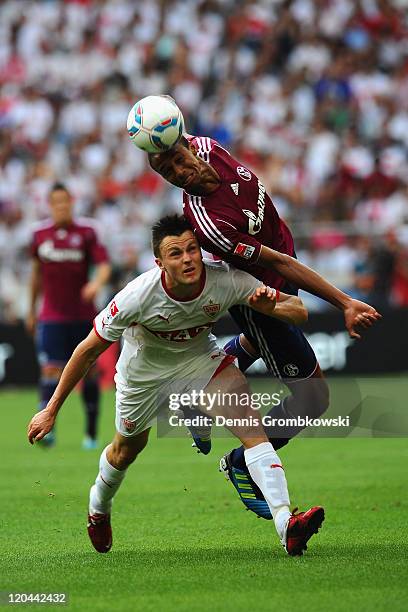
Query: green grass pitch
[[182, 539]]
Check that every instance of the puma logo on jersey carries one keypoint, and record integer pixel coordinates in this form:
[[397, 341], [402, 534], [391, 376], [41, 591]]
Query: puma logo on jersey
[[235, 188], [165, 318], [255, 221]]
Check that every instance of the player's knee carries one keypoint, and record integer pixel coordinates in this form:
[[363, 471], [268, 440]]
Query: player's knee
[[320, 396], [122, 456], [123, 451], [313, 394], [247, 346]]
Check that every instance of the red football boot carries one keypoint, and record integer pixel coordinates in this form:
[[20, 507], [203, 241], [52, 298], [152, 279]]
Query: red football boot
[[300, 529], [100, 532]]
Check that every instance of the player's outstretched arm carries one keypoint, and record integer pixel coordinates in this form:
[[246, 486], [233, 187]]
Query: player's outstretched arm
[[81, 360], [287, 308], [355, 312]]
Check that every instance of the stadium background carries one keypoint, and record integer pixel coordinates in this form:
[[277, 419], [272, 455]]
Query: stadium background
[[313, 95]]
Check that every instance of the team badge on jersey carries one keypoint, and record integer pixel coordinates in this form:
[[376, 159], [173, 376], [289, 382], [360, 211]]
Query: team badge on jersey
[[244, 250], [129, 425], [211, 309], [75, 240], [244, 173], [290, 369], [235, 188]]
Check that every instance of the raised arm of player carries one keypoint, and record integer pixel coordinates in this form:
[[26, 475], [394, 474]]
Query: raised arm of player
[[34, 292], [355, 312], [81, 360], [287, 308]]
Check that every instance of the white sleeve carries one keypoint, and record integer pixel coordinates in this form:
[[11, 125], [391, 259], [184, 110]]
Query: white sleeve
[[244, 284], [120, 313]]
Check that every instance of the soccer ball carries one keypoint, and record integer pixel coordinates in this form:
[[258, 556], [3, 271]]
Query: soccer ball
[[155, 124]]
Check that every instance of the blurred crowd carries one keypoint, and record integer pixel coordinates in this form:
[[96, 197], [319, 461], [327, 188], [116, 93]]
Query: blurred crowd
[[313, 95]]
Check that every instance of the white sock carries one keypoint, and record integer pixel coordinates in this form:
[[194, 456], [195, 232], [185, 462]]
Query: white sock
[[266, 470], [106, 484]]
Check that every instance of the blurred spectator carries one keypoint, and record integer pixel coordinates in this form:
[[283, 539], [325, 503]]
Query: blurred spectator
[[311, 94]]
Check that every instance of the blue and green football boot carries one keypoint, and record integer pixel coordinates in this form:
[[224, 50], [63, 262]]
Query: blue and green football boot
[[249, 493]]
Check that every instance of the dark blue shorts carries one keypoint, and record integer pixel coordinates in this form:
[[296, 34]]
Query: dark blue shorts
[[283, 347], [57, 341]]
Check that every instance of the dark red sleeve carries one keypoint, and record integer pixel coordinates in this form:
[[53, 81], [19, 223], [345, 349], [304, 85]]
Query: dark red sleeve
[[97, 251], [34, 245], [220, 236]]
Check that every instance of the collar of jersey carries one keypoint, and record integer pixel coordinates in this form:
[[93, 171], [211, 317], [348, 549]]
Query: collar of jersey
[[186, 299]]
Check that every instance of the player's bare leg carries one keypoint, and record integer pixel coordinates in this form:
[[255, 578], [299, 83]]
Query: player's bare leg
[[263, 462], [113, 464]]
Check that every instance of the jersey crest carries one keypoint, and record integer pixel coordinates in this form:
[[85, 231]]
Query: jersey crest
[[211, 309], [244, 173]]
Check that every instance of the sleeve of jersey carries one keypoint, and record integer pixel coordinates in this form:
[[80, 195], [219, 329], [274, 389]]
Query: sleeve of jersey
[[97, 250], [118, 315], [244, 284], [222, 237], [34, 246]]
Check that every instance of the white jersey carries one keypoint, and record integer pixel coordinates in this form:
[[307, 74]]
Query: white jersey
[[166, 337]]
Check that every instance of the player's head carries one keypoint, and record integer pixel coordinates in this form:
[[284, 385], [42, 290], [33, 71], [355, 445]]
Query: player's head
[[61, 204], [180, 166], [176, 250]]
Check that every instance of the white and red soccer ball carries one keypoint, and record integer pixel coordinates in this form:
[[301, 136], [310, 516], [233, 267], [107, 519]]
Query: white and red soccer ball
[[155, 124]]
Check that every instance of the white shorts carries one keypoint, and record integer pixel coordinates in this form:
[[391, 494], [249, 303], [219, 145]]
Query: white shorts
[[138, 407]]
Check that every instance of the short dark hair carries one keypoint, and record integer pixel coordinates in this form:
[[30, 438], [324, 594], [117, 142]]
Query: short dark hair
[[171, 225], [58, 186], [152, 156]]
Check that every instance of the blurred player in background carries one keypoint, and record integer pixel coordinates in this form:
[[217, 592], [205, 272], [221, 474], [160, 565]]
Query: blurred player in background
[[234, 218], [166, 315], [64, 249]]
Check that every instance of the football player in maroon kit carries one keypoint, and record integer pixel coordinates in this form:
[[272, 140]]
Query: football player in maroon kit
[[63, 250], [234, 218]]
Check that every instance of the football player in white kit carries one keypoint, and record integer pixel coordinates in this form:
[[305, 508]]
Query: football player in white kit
[[165, 316]]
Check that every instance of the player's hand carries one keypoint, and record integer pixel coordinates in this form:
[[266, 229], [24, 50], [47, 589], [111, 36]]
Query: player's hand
[[89, 291], [40, 425], [360, 314], [263, 298], [31, 323]]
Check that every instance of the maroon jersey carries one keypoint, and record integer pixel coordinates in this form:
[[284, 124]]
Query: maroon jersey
[[65, 255], [238, 218]]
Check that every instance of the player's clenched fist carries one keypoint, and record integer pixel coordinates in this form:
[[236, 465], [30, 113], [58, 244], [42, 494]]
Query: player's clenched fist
[[40, 425], [261, 297]]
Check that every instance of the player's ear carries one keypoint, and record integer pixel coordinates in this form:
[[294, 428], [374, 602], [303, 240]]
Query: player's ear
[[192, 148], [159, 263]]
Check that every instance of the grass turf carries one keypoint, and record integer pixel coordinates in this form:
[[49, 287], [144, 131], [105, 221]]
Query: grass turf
[[182, 539]]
